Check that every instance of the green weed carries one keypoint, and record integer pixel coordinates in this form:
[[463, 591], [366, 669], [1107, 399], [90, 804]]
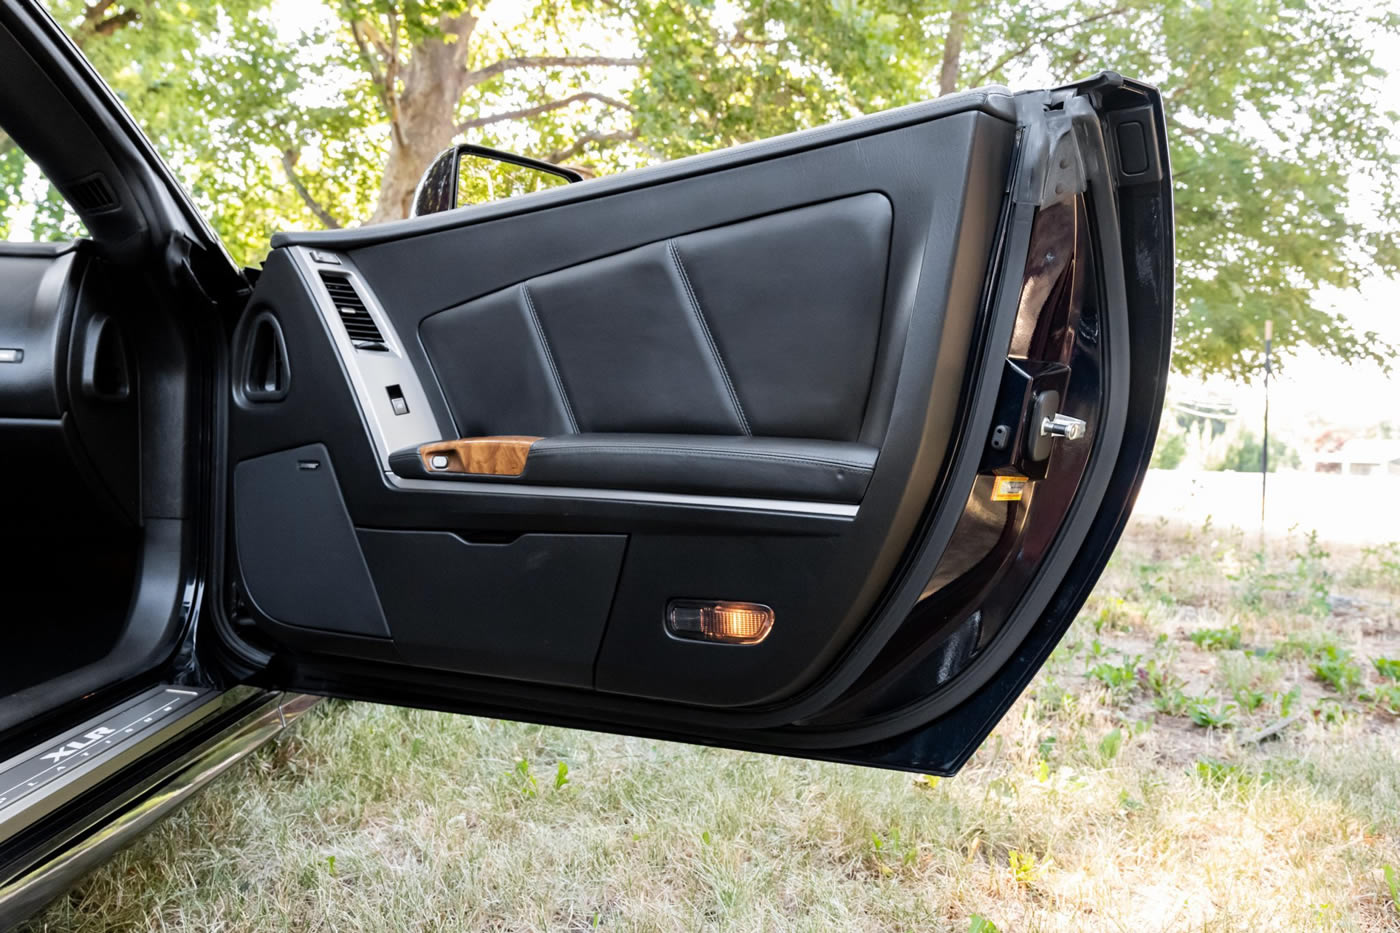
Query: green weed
[[1301, 646], [1113, 615], [1211, 712], [1337, 669], [1025, 867], [1172, 703], [1153, 584], [524, 778], [1158, 679], [1256, 582], [1110, 745], [1238, 671], [1215, 771], [1311, 575], [1249, 699], [1330, 711], [1379, 567], [890, 851], [1385, 698], [1117, 677], [1287, 700], [1216, 639]]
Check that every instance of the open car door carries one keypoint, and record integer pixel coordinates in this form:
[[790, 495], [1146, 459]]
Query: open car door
[[814, 446]]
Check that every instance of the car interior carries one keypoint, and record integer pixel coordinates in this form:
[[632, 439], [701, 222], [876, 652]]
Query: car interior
[[99, 415], [789, 446], [55, 302], [92, 495]]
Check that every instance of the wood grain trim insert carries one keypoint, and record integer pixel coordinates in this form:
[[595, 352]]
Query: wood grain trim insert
[[502, 455]]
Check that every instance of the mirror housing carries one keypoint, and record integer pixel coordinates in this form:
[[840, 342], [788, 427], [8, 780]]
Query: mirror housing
[[440, 187]]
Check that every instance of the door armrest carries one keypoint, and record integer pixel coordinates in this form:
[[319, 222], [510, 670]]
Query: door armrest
[[767, 467]]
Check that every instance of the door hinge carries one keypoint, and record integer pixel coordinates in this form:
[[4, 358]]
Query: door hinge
[[1053, 162]]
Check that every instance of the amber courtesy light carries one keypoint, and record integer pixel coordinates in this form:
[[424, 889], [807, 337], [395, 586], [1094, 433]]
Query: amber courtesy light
[[730, 623]]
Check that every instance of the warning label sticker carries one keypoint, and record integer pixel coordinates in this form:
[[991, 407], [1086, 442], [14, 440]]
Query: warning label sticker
[[1008, 488]]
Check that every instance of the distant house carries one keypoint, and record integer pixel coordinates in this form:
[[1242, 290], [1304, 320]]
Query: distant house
[[1362, 456]]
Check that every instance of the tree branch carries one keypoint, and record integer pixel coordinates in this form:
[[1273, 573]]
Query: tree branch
[[578, 145], [110, 25], [1041, 40], [527, 112], [391, 74], [952, 53], [382, 62], [94, 24], [372, 35], [289, 162], [93, 12], [548, 61], [375, 73]]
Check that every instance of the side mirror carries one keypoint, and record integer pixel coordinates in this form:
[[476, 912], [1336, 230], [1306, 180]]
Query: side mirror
[[467, 174]]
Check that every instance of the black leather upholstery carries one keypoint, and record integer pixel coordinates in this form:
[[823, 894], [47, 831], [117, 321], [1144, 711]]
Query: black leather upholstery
[[772, 467], [767, 327]]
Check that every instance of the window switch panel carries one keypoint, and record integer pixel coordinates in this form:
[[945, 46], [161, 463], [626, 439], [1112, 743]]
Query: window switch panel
[[397, 401]]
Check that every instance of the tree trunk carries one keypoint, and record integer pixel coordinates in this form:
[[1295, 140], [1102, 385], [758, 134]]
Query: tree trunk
[[422, 113], [952, 52]]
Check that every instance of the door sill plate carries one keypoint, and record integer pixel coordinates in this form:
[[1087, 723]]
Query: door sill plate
[[36, 782]]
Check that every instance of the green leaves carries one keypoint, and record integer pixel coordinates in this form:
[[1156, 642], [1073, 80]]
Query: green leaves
[[1211, 712], [1277, 142], [1287, 181], [524, 778], [1337, 669], [1110, 745]]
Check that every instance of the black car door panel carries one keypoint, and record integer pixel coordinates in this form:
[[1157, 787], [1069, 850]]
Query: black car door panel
[[799, 375]]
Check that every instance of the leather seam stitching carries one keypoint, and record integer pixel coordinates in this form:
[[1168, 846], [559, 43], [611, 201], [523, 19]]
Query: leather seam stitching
[[549, 357], [732, 455], [709, 338]]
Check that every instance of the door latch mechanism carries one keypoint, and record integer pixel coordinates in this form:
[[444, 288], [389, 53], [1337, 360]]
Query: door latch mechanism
[[1028, 419], [1046, 423], [1058, 425]]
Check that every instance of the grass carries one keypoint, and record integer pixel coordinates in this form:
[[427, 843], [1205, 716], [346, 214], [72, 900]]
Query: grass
[[1137, 785]]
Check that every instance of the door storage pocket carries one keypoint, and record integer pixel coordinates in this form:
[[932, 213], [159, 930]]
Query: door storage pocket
[[532, 608]]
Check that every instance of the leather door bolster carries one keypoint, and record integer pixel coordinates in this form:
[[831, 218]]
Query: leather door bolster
[[768, 327], [766, 467]]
